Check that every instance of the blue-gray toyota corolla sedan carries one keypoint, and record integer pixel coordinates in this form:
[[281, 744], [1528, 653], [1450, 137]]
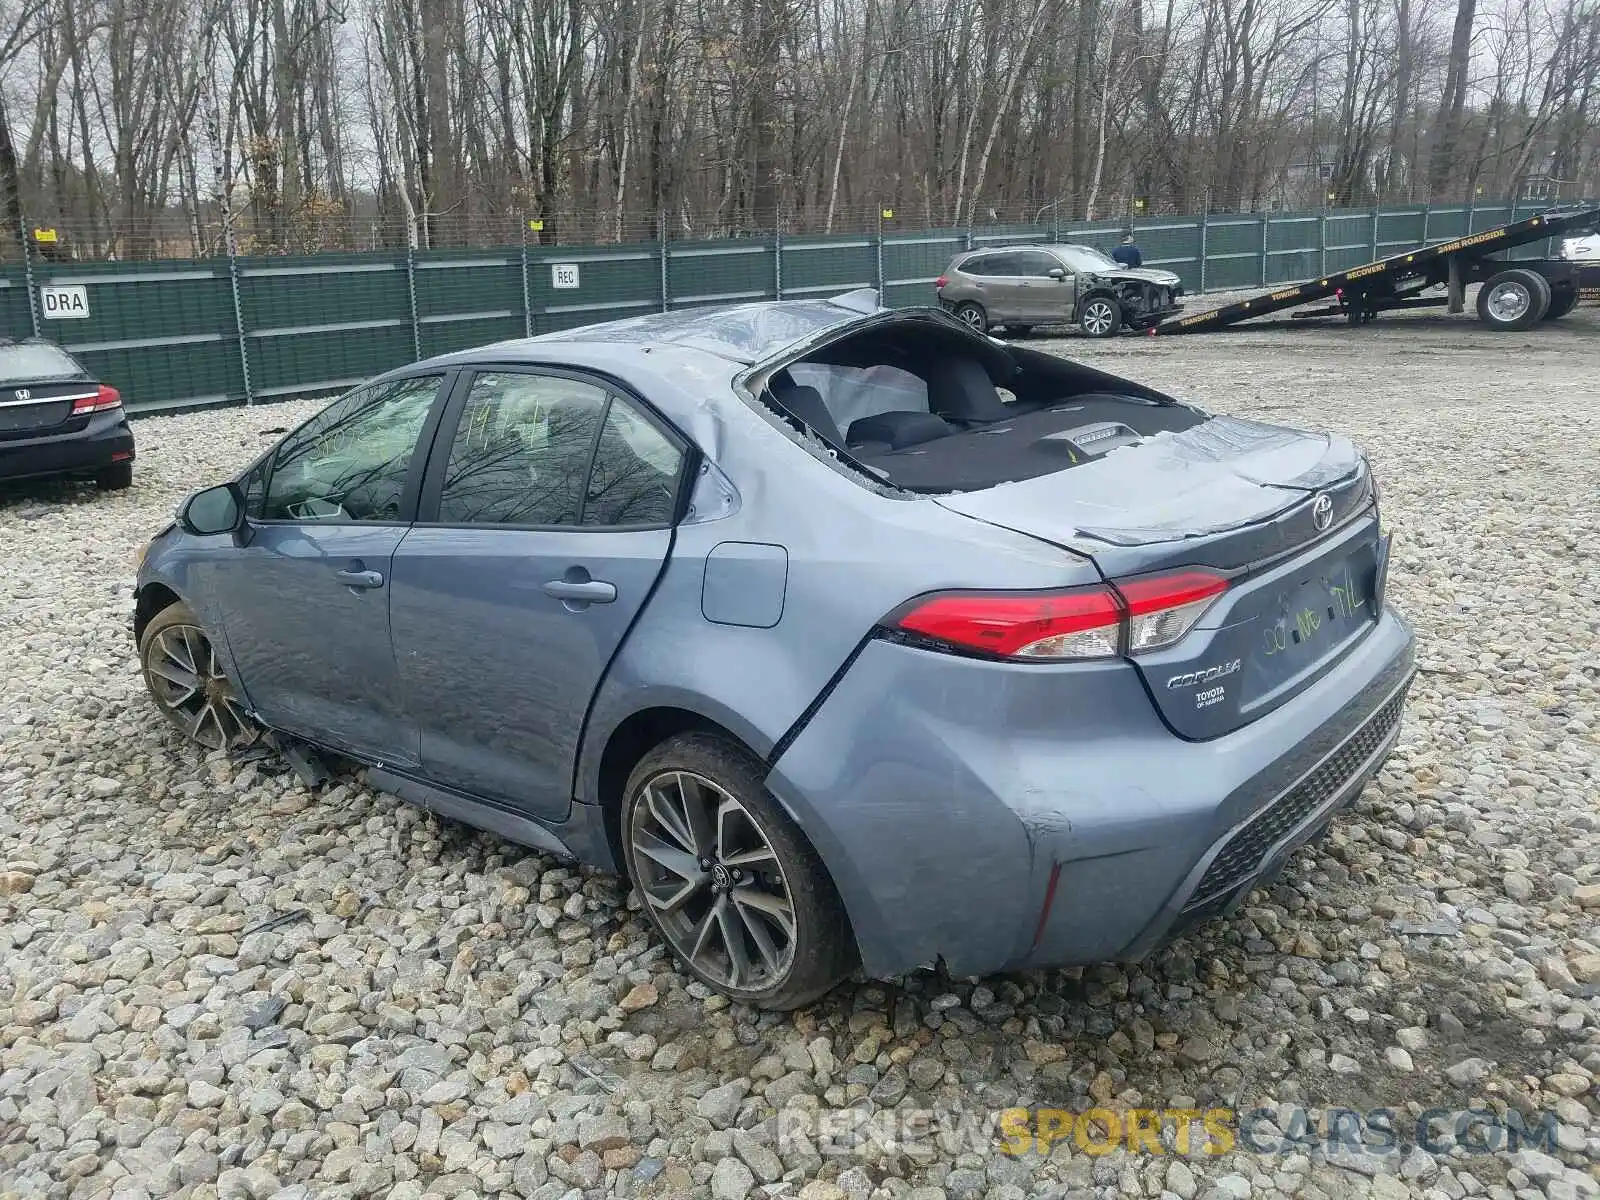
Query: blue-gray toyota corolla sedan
[[853, 637]]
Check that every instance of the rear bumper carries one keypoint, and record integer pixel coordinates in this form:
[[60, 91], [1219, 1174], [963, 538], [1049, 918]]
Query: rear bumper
[[995, 819], [106, 439]]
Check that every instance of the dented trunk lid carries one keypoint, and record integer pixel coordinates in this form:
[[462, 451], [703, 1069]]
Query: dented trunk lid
[[1289, 516]]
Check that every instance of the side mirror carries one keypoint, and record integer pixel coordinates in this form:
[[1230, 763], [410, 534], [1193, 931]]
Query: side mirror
[[213, 510], [1057, 273]]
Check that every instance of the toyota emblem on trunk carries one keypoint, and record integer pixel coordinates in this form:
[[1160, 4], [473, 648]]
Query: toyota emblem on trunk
[[1322, 512], [23, 394]]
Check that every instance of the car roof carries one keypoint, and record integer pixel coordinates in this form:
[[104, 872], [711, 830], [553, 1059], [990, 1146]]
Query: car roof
[[686, 362], [1047, 247], [743, 334]]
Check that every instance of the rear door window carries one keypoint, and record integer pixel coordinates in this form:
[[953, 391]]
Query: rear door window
[[521, 450], [551, 451], [1006, 265], [634, 480]]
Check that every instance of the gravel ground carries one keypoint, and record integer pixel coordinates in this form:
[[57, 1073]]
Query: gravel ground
[[215, 982]]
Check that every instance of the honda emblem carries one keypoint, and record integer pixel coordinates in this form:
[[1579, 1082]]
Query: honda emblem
[[23, 394]]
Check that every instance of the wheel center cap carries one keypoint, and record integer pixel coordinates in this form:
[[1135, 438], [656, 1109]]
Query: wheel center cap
[[720, 877]]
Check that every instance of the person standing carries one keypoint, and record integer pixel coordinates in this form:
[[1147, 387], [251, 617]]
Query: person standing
[[1127, 254]]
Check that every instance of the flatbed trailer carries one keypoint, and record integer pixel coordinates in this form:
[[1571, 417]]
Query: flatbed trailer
[[1517, 294]]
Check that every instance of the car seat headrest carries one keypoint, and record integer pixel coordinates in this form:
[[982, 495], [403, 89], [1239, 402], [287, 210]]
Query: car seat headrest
[[960, 388], [805, 404]]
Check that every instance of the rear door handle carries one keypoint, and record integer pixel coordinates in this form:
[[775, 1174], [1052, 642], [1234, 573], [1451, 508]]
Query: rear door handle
[[593, 591], [359, 579]]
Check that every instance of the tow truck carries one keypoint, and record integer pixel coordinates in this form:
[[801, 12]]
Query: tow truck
[[1516, 293]]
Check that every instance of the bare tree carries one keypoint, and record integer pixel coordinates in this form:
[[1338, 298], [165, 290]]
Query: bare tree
[[147, 126]]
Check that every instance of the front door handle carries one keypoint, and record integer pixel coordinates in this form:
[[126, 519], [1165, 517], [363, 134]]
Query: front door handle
[[359, 579], [591, 591]]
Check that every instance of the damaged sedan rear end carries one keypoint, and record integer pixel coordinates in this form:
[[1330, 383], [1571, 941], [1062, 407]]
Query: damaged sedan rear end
[[1081, 744], [852, 637]]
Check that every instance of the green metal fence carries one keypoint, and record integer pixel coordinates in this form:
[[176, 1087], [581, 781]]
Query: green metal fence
[[229, 330]]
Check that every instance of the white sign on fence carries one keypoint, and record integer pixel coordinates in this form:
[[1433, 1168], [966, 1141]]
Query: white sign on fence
[[59, 303], [564, 275]]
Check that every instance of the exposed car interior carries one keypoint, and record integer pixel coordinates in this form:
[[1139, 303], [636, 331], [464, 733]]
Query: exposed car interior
[[929, 408]]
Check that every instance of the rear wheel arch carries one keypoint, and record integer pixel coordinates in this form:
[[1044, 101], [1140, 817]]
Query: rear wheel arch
[[973, 315], [642, 732], [635, 736]]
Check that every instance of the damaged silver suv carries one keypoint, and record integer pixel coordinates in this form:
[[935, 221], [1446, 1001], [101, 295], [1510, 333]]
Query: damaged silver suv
[[1018, 287]]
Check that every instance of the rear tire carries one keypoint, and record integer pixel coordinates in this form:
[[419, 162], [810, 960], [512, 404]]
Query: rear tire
[[1101, 317], [1513, 300], [1562, 301], [972, 316], [763, 923], [116, 478]]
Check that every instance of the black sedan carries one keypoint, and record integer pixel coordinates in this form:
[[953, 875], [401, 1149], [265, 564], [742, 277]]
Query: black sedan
[[57, 419]]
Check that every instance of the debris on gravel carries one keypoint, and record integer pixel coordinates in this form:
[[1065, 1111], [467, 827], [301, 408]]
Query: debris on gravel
[[218, 983]]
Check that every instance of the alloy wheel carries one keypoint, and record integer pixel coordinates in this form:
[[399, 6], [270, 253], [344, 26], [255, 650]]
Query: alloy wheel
[[972, 316], [1097, 317], [713, 881], [1509, 301], [189, 683]]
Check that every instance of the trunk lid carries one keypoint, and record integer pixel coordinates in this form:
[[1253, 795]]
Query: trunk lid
[[1288, 516], [33, 409]]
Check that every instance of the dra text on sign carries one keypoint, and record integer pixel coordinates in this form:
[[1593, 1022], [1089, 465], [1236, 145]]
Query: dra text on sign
[[58, 302]]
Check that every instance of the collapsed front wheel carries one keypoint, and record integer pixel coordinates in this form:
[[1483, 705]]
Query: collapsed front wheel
[[728, 880], [189, 684]]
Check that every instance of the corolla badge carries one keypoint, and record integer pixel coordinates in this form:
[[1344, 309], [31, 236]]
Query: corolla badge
[[1204, 675], [1322, 512]]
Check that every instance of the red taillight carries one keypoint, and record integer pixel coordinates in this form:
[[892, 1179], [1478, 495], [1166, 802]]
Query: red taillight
[[1020, 626], [940, 283], [1096, 622], [1146, 596], [104, 398]]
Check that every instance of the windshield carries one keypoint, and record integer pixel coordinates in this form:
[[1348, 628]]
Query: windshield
[[31, 362], [1084, 258]]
